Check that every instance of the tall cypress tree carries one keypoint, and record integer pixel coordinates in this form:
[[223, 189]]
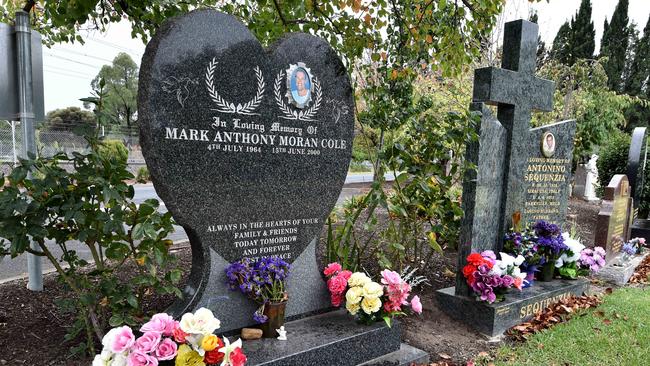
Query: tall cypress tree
[[639, 67], [542, 53], [576, 39], [561, 49], [614, 45], [583, 33]]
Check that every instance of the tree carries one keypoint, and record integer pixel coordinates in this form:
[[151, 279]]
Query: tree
[[582, 33], [576, 38], [121, 89], [614, 45], [561, 49], [542, 52], [639, 69], [67, 119]]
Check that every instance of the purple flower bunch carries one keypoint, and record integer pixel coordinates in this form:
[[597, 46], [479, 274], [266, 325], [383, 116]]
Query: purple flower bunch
[[262, 280], [592, 259], [629, 249], [549, 239], [486, 284]]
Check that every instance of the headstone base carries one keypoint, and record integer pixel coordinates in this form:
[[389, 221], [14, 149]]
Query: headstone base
[[518, 307], [334, 339], [641, 229], [618, 273]]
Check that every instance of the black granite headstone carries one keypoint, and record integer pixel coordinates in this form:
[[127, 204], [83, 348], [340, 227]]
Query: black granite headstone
[[637, 163], [519, 169], [248, 148]]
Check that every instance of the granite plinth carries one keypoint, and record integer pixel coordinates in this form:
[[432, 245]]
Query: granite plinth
[[518, 307], [619, 272], [329, 339], [406, 356]]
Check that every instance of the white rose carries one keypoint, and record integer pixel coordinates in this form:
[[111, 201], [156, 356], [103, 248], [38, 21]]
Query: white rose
[[358, 279], [373, 290], [201, 322], [109, 338], [353, 296]]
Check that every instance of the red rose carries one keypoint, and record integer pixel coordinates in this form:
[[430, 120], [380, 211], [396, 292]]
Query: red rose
[[179, 335], [337, 299], [475, 259], [468, 270], [214, 356], [345, 274], [337, 284], [237, 357]]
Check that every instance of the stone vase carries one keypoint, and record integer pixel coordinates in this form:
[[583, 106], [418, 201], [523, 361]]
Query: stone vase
[[275, 313], [547, 272]]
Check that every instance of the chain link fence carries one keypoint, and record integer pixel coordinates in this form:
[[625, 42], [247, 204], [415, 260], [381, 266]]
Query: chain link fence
[[50, 142]]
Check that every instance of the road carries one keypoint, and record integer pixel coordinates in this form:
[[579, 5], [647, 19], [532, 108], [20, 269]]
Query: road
[[11, 269]]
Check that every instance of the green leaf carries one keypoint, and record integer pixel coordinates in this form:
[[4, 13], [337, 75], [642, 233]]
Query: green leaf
[[116, 320], [388, 321], [138, 231], [132, 300]]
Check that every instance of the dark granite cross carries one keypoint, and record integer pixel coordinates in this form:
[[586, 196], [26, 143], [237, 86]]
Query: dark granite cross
[[517, 92]]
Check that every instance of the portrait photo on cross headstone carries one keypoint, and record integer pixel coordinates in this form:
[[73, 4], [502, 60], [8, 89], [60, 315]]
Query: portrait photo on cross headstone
[[408, 183]]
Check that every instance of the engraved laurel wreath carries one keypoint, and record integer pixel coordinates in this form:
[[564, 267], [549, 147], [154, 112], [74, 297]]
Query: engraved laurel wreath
[[288, 113], [223, 105]]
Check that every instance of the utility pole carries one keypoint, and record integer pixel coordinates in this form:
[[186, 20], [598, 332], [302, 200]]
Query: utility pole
[[26, 116]]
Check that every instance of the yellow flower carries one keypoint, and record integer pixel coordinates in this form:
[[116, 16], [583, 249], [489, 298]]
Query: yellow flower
[[358, 279], [370, 305], [353, 296], [188, 357], [209, 342], [373, 290], [352, 308]]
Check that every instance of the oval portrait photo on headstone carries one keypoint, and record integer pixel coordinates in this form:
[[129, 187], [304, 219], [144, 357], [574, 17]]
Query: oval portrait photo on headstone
[[548, 144], [299, 85]]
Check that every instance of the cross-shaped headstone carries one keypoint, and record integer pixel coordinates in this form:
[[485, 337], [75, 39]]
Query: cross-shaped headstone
[[517, 92], [513, 172]]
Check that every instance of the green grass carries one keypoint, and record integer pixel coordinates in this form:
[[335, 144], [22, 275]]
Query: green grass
[[588, 340]]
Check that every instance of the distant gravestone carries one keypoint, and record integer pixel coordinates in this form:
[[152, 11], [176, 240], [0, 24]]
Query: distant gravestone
[[249, 150], [612, 227], [519, 170], [637, 165]]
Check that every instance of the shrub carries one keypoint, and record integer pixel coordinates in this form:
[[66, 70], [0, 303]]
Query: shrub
[[143, 175], [113, 150]]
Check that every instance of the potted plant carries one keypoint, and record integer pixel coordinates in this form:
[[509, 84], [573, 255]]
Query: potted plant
[[263, 281]]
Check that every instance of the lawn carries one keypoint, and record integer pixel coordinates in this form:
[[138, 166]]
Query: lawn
[[616, 333]]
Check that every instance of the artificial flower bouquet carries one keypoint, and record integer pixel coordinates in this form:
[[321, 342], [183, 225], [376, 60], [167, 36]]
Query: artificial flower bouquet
[[567, 264], [523, 242], [165, 341], [370, 301], [633, 247], [490, 277], [592, 260], [263, 281]]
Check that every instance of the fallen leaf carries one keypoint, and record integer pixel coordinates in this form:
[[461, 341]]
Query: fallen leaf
[[444, 356], [607, 321], [609, 291], [483, 354], [540, 346], [599, 313]]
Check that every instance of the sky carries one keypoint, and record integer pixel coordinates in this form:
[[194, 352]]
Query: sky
[[69, 68]]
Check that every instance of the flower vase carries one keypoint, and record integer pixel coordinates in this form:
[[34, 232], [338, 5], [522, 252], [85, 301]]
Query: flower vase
[[547, 272], [274, 311]]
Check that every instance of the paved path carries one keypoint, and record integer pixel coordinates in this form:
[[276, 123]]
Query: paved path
[[16, 268]]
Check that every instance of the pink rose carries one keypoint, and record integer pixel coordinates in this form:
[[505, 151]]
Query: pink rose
[[345, 274], [237, 357], [390, 277], [416, 305], [337, 299], [331, 269], [138, 358], [166, 350], [161, 323], [148, 342], [337, 284], [124, 340]]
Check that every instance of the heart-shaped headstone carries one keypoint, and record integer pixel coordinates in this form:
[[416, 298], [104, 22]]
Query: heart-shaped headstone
[[248, 148]]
